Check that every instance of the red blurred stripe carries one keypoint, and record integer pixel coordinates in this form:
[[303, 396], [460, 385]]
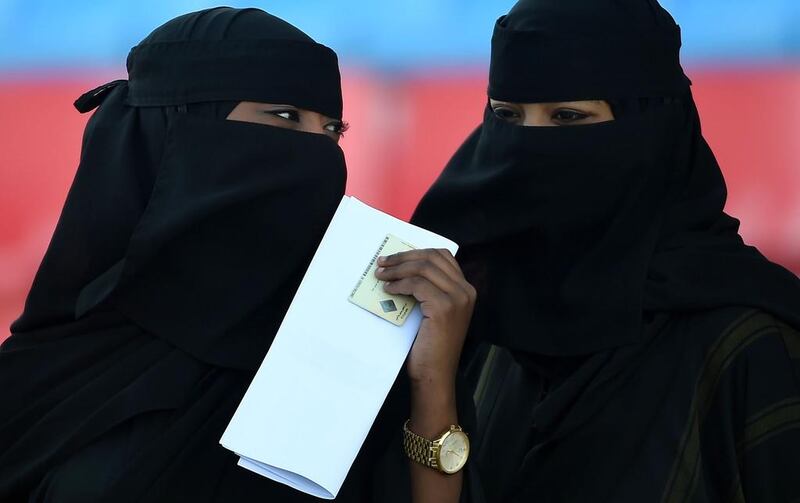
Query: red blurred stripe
[[403, 132]]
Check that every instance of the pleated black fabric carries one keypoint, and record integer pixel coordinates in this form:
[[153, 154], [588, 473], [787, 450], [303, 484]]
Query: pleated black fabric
[[650, 354], [182, 240]]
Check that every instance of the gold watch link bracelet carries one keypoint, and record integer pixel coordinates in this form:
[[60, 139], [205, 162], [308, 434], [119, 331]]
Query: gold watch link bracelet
[[447, 453]]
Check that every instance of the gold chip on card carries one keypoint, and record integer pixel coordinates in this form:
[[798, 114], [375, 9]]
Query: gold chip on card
[[369, 294]]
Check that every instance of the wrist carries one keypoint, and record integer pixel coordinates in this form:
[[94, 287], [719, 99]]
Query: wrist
[[433, 383], [433, 410]]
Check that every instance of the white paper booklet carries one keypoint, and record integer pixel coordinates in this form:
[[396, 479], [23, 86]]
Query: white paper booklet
[[331, 365]]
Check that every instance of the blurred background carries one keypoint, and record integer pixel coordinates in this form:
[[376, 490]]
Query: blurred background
[[415, 73]]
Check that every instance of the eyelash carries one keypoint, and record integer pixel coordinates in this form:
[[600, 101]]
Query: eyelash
[[506, 113], [294, 115], [339, 127], [574, 115], [562, 115]]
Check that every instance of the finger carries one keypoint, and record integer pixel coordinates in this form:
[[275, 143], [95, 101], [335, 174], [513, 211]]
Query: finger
[[430, 254], [423, 268], [445, 253], [419, 288], [470, 290]]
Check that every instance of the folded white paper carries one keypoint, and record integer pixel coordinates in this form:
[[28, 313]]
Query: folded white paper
[[331, 365]]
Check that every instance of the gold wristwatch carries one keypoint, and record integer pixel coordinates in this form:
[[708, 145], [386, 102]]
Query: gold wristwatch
[[447, 454]]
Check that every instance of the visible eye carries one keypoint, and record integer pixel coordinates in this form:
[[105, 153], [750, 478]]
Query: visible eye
[[507, 114], [567, 116], [291, 115], [337, 127]]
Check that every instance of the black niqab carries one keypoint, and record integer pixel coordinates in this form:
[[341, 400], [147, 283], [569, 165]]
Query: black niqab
[[181, 243], [574, 234], [635, 316], [196, 228]]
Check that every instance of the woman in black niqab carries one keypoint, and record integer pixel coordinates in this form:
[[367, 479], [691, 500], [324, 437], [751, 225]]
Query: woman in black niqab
[[181, 243], [642, 352]]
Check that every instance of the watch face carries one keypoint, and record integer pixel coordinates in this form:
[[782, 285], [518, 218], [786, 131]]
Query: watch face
[[454, 452]]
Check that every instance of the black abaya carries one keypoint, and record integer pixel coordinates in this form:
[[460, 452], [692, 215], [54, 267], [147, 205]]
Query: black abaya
[[181, 243], [645, 352]]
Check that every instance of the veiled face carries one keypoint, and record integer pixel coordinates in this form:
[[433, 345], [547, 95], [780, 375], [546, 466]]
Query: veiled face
[[288, 117], [565, 113]]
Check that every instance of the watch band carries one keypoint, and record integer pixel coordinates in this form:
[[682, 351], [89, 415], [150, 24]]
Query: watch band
[[429, 452], [419, 449]]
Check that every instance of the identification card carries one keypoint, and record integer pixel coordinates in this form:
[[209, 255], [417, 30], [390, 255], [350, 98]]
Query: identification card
[[369, 293]]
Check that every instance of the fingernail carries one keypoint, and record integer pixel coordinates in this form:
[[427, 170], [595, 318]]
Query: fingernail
[[381, 259], [380, 270]]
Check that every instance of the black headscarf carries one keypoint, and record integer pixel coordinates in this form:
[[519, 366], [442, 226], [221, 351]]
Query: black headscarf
[[574, 236], [196, 228]]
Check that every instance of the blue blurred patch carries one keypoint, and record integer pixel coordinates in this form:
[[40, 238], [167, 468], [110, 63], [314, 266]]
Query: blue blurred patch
[[389, 35]]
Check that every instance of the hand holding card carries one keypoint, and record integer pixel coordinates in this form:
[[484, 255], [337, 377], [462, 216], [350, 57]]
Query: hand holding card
[[434, 278], [369, 292]]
